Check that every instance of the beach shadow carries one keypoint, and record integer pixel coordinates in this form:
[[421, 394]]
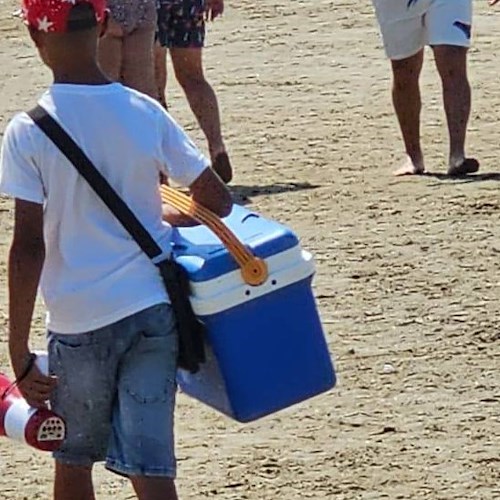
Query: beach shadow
[[464, 179], [244, 194]]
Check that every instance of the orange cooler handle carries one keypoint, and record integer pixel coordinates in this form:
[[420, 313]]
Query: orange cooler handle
[[253, 270]]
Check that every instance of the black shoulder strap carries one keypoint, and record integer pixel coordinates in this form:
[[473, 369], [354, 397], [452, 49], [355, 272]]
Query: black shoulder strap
[[190, 329], [99, 184]]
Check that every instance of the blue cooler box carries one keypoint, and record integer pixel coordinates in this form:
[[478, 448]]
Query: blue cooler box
[[265, 348]]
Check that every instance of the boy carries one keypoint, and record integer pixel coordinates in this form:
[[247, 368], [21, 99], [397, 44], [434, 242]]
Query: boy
[[112, 340]]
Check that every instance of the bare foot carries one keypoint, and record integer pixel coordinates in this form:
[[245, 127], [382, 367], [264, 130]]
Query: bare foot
[[222, 166], [467, 166], [410, 167]]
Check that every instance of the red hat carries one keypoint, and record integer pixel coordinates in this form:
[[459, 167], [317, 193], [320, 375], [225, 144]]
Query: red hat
[[51, 16]]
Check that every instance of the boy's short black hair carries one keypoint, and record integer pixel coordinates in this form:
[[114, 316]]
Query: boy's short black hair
[[81, 17]]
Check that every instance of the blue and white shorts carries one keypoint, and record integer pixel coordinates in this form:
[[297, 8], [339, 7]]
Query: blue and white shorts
[[116, 392], [407, 26]]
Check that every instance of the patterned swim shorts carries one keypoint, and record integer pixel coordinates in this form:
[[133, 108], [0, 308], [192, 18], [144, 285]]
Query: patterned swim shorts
[[181, 23]]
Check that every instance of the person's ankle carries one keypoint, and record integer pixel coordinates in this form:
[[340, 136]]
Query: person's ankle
[[216, 150], [416, 158], [222, 166], [456, 160]]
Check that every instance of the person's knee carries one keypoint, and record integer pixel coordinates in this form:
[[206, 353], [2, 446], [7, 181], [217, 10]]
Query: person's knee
[[451, 62], [406, 73], [452, 52], [405, 78], [73, 482], [191, 82]]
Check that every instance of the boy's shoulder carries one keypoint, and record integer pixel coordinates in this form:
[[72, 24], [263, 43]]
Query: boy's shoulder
[[20, 128], [20, 121]]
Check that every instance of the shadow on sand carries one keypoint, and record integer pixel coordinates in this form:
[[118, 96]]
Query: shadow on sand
[[464, 179], [244, 194]]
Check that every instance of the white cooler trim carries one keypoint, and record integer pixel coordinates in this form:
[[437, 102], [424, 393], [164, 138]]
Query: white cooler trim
[[229, 290]]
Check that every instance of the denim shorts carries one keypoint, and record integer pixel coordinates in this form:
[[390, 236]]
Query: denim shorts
[[181, 23], [116, 392]]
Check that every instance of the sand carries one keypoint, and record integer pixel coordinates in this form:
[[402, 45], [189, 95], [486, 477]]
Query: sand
[[408, 272]]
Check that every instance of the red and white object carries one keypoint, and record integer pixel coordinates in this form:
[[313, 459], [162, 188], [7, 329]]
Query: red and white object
[[40, 428]]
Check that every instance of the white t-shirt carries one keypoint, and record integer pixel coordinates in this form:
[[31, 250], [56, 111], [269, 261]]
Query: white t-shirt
[[94, 273]]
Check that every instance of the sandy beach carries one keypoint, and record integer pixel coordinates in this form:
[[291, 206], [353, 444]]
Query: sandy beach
[[408, 269]]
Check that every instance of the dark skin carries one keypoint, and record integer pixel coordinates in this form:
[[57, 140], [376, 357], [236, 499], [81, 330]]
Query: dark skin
[[214, 9]]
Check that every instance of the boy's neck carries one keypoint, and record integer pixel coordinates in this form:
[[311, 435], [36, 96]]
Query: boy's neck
[[78, 74]]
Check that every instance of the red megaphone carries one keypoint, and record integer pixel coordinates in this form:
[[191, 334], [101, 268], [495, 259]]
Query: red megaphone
[[40, 428]]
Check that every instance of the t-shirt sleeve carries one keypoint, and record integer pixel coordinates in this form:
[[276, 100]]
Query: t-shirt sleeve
[[182, 161], [19, 175]]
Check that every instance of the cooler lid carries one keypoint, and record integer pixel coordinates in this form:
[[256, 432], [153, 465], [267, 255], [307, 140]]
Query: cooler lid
[[204, 256]]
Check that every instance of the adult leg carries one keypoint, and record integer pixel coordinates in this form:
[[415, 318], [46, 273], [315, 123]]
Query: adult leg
[[154, 488], [138, 60], [188, 68], [73, 482], [110, 51], [407, 104], [451, 63], [161, 73]]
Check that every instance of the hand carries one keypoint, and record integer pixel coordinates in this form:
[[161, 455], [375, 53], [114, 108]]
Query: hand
[[176, 218], [493, 2], [209, 191], [36, 387], [215, 8]]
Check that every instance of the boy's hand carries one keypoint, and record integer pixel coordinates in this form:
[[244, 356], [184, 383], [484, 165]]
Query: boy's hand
[[35, 386], [209, 191], [175, 218], [214, 8]]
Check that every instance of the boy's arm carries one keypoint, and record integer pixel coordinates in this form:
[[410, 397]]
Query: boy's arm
[[26, 257], [209, 191]]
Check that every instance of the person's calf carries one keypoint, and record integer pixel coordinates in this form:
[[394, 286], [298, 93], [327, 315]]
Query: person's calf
[[154, 488], [407, 104], [73, 482], [451, 63], [203, 102]]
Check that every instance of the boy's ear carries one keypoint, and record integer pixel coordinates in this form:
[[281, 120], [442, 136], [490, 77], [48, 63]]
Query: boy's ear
[[104, 24]]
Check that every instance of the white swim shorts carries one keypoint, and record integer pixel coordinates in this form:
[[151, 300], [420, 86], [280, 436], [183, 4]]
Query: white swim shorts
[[408, 25]]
